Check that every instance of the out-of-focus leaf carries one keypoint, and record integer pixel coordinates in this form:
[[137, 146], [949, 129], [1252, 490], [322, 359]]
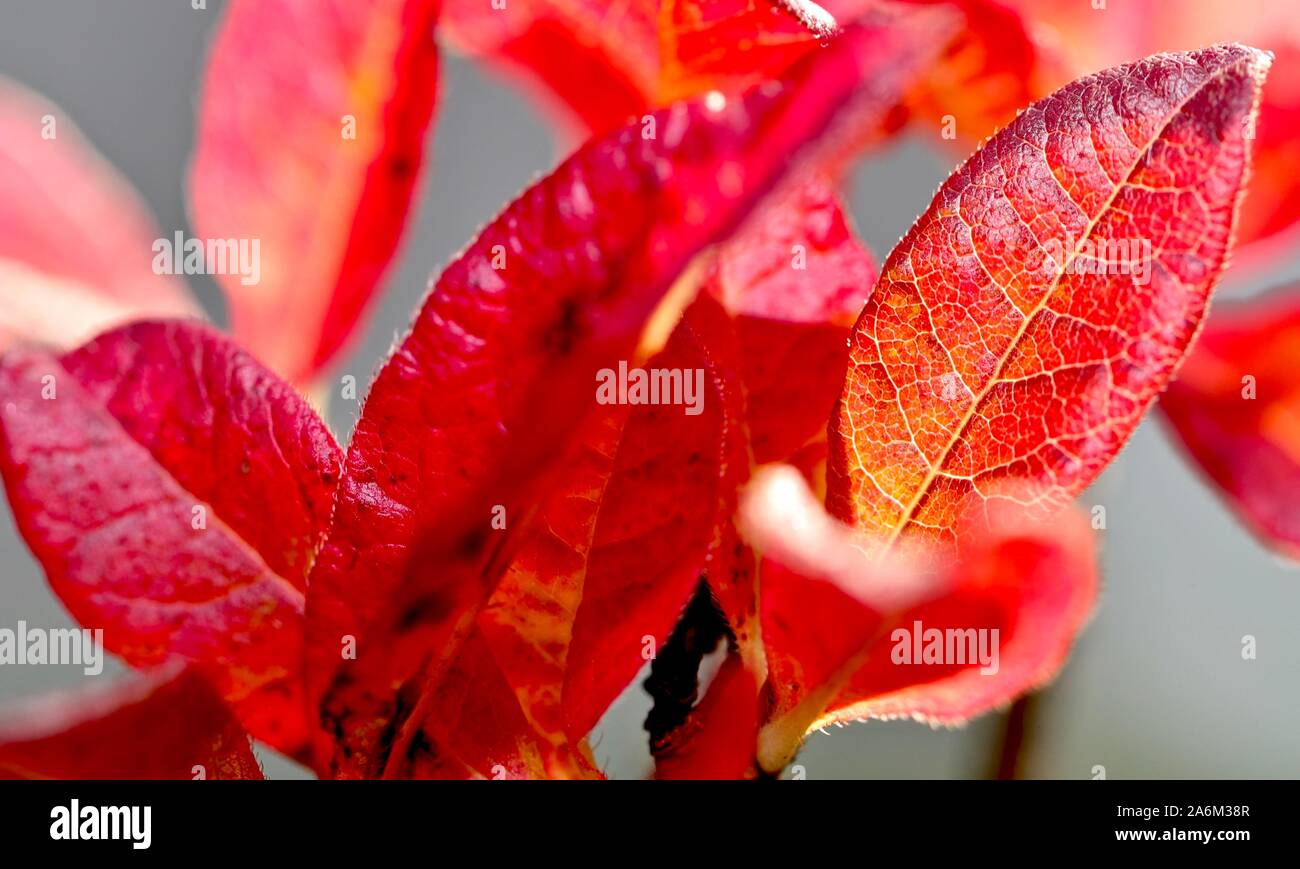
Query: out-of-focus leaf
[[608, 62], [1236, 408], [794, 279], [311, 133], [853, 637], [76, 242], [1075, 39]]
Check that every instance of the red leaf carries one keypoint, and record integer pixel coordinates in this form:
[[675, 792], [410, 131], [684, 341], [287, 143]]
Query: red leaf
[[311, 134], [832, 617], [175, 492], [488, 389], [607, 62], [54, 187], [793, 306], [671, 487], [1236, 408], [1012, 338], [794, 278], [529, 620], [168, 724]]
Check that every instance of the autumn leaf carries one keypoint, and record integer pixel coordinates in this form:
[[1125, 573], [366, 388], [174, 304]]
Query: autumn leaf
[[835, 619], [488, 390], [175, 492], [1235, 408], [167, 724], [54, 187], [311, 134], [1027, 320]]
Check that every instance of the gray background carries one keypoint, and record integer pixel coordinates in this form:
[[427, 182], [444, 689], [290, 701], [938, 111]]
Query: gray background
[[1156, 687]]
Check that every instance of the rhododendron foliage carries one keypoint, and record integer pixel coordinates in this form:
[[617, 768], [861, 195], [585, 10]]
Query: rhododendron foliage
[[663, 421]]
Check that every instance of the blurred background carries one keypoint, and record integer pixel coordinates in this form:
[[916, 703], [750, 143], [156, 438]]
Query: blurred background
[[1157, 686]]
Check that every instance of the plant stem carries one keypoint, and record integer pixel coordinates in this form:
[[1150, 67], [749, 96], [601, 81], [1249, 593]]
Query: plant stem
[[1017, 736]]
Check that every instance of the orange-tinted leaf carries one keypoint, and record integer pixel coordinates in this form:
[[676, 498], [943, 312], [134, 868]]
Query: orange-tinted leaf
[[76, 242], [311, 134], [844, 629], [529, 620], [732, 44], [1236, 408], [175, 491], [1024, 324], [487, 391], [168, 724]]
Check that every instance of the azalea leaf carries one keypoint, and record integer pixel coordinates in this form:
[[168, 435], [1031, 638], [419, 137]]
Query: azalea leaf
[[175, 492], [1028, 319], [168, 724], [1022, 593], [55, 187], [311, 134], [1236, 409], [488, 390]]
